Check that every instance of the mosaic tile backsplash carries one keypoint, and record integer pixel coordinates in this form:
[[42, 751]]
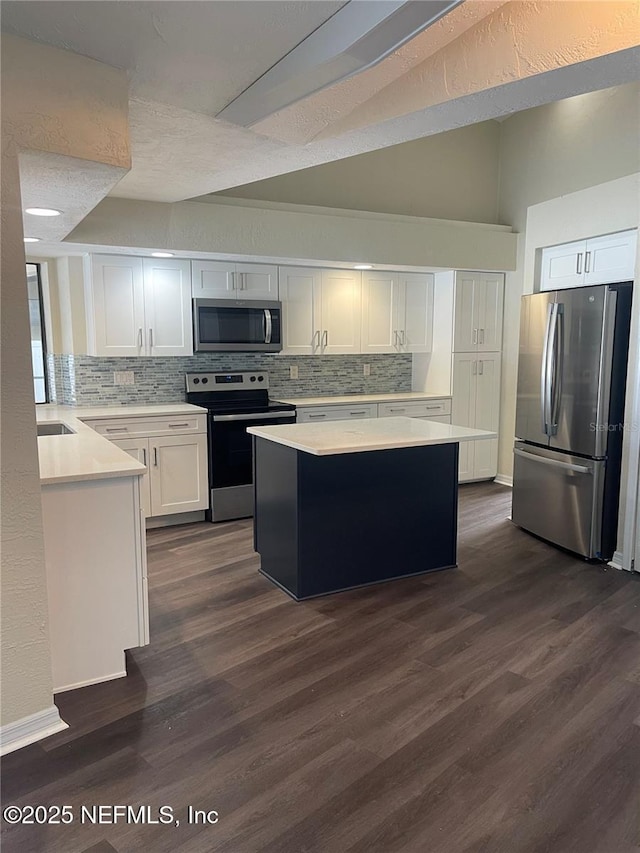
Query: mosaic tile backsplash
[[83, 380]]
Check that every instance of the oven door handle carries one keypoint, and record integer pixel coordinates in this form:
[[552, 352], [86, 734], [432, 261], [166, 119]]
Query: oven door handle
[[249, 417], [268, 326]]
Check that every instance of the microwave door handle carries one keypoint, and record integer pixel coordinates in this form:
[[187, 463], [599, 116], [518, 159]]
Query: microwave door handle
[[268, 326]]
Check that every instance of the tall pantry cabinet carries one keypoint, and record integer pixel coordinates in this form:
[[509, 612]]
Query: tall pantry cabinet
[[477, 345]]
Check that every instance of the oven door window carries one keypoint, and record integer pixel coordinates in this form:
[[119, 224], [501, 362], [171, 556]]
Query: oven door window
[[230, 451], [232, 325]]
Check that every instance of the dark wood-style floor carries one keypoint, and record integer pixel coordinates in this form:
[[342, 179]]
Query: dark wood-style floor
[[493, 707]]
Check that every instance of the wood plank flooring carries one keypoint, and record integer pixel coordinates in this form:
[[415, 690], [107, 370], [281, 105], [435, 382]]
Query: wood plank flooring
[[493, 708]]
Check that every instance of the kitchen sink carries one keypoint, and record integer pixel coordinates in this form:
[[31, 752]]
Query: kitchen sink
[[54, 429]]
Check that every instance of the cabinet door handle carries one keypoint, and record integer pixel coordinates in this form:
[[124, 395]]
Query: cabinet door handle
[[475, 336], [313, 340], [155, 456], [150, 338], [396, 340], [475, 367], [178, 426], [318, 416], [234, 283], [481, 340], [481, 367], [325, 338], [140, 338], [587, 262], [403, 338], [579, 263], [144, 455], [242, 281]]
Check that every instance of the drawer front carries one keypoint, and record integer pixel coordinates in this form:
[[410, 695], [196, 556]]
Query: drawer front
[[336, 413], [427, 409], [165, 425]]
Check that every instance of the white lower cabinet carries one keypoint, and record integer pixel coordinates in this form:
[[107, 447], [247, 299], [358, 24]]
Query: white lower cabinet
[[178, 474], [476, 403], [175, 451], [313, 414]]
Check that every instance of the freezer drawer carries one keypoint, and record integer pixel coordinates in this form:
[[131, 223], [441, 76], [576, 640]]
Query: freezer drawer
[[559, 498]]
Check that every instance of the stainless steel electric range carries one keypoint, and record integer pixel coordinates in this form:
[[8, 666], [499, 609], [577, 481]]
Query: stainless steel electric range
[[235, 401]]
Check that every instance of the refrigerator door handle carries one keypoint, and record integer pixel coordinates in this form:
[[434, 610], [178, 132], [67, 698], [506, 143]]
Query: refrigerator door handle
[[555, 375], [545, 385], [543, 460]]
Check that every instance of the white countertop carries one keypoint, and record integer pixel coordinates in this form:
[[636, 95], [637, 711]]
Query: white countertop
[[399, 397], [87, 455], [333, 437]]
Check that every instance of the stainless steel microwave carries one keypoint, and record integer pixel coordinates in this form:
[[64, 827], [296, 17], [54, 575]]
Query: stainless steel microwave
[[237, 325]]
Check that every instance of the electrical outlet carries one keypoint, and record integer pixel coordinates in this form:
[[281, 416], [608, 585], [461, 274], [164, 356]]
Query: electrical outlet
[[366, 370], [123, 377], [293, 371]]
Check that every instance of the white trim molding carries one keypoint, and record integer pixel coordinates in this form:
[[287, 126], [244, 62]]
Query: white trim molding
[[504, 480], [30, 729]]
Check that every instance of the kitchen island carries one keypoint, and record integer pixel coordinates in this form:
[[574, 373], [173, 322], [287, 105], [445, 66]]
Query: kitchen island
[[344, 504]]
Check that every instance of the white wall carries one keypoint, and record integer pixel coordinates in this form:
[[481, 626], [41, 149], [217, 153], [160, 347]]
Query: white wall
[[26, 659], [546, 153], [451, 175]]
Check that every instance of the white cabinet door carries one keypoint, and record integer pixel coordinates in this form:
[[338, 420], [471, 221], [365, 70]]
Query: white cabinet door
[[257, 281], [115, 307], [416, 305], [340, 309], [610, 258], [178, 474], [487, 414], [381, 320], [463, 408], [167, 298], [213, 279], [489, 299], [465, 332], [300, 294], [563, 266], [139, 449]]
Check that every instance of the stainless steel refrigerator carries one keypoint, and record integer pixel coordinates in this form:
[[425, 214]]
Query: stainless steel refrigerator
[[570, 416]]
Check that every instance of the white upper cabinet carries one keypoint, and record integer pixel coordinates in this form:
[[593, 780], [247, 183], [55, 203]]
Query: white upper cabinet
[[138, 306], [115, 306], [479, 299], [225, 279], [598, 260], [321, 311], [397, 312], [167, 306], [300, 293], [380, 315], [416, 312], [340, 311]]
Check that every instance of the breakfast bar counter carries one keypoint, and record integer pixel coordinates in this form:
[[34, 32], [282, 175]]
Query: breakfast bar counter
[[345, 504]]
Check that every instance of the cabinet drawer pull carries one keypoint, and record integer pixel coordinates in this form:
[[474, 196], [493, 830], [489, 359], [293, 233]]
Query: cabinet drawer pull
[[115, 429], [433, 407], [318, 416], [398, 410], [178, 426], [358, 413]]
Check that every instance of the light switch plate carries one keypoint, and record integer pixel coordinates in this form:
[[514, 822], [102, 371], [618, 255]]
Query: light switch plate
[[293, 371], [366, 370], [123, 377]]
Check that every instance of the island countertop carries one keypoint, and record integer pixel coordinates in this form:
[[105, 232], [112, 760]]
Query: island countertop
[[334, 437]]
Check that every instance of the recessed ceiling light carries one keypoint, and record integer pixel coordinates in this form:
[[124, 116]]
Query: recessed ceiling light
[[43, 211], [31, 239], [363, 266], [162, 254]]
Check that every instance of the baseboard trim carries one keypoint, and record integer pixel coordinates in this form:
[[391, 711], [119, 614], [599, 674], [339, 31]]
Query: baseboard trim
[[89, 681], [155, 521], [503, 480], [30, 729], [617, 561]]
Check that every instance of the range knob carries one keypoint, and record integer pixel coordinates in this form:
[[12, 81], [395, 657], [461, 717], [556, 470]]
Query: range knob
[[253, 378], [204, 380], [196, 381], [260, 378]]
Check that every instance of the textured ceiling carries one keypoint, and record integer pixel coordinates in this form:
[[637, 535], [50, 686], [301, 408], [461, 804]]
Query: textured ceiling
[[186, 60]]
